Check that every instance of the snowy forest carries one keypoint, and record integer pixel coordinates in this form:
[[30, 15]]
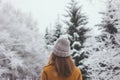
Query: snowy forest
[[24, 51]]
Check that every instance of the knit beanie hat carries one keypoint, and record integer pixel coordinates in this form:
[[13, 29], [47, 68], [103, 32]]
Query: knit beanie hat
[[62, 47]]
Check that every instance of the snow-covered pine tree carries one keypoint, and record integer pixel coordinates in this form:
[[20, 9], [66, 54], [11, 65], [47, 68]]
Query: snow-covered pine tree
[[109, 25], [76, 29], [76, 26], [58, 29], [52, 35], [47, 37], [104, 63]]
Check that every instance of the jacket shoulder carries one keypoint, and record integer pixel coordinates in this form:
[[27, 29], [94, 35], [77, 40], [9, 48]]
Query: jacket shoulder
[[77, 74], [48, 67], [77, 70]]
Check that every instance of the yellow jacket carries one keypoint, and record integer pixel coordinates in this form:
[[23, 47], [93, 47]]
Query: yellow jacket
[[49, 73]]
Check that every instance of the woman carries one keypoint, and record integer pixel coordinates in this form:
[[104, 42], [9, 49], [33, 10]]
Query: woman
[[60, 65]]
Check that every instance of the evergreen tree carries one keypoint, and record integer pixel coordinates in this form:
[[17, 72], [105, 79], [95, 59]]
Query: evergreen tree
[[106, 62], [52, 35], [76, 25], [76, 33], [47, 37], [109, 26], [57, 32]]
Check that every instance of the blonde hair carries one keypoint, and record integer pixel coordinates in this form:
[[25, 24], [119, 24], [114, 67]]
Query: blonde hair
[[64, 65]]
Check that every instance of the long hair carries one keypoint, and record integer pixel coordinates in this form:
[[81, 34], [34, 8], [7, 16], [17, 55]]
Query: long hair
[[64, 65]]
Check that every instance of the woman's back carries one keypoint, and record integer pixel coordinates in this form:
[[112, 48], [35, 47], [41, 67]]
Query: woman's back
[[49, 73], [60, 65]]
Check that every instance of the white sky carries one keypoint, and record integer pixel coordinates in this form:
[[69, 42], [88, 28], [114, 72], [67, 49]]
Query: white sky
[[45, 11]]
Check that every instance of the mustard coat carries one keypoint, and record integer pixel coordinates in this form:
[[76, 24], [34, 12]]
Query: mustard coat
[[49, 73]]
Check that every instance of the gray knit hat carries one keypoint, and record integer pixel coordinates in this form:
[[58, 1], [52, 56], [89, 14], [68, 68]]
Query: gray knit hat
[[62, 47]]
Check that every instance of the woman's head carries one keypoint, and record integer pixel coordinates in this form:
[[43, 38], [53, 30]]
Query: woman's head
[[61, 58], [62, 47]]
